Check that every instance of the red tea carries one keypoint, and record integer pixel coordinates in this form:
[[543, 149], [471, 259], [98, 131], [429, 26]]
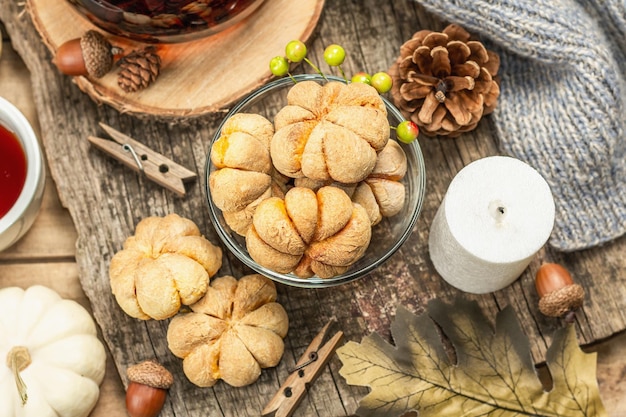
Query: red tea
[[12, 169]]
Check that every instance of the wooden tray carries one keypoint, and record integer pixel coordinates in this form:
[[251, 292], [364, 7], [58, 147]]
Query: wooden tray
[[195, 78]]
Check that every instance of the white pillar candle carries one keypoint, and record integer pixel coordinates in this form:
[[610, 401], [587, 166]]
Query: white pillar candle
[[497, 214]]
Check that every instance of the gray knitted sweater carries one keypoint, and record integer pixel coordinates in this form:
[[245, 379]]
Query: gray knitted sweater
[[562, 107]]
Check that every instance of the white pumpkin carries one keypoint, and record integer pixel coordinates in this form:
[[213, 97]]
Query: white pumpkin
[[67, 360]]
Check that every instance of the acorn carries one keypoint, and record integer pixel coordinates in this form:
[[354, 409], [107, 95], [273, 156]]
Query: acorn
[[147, 390], [559, 296], [91, 54]]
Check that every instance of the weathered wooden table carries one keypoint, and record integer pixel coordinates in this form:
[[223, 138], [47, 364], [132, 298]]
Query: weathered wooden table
[[105, 201]]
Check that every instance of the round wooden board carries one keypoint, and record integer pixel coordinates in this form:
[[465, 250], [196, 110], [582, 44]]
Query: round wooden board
[[197, 77]]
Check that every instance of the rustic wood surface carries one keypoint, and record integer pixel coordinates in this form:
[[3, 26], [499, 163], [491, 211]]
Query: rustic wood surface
[[105, 200], [197, 77]]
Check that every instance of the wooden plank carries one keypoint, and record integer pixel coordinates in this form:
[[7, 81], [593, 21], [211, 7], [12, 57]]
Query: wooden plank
[[611, 373], [61, 277], [40, 242], [106, 200], [17, 90]]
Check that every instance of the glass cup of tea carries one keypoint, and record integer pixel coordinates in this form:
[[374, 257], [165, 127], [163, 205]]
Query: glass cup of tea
[[22, 174]]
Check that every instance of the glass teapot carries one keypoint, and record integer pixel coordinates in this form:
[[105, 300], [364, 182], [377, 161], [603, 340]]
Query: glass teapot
[[164, 21]]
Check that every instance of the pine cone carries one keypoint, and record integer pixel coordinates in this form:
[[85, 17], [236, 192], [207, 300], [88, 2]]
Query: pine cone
[[444, 81], [139, 69]]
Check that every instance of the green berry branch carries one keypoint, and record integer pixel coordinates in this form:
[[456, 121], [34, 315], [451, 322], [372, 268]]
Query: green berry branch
[[334, 55]]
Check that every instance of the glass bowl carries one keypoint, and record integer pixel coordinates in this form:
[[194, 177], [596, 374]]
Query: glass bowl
[[387, 236], [164, 21]]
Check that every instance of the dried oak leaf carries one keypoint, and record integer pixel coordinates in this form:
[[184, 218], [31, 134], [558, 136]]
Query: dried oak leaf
[[492, 374]]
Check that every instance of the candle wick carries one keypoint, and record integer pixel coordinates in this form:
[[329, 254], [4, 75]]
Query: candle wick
[[498, 211]]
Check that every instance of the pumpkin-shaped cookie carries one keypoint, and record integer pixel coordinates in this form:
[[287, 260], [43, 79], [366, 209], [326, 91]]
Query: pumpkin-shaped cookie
[[309, 233], [245, 175], [232, 333], [382, 193], [166, 263], [329, 132]]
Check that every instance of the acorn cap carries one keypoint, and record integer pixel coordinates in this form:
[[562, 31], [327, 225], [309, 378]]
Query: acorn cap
[[558, 303], [96, 50], [150, 373]]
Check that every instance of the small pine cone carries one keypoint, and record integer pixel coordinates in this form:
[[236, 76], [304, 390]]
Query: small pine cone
[[139, 69], [445, 81]]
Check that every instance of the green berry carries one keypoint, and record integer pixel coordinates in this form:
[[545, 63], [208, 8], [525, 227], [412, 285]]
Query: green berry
[[279, 66], [362, 77], [295, 51], [407, 131], [334, 55], [382, 82]]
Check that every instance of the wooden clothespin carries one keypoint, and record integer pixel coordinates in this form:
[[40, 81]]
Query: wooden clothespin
[[140, 158], [308, 368]]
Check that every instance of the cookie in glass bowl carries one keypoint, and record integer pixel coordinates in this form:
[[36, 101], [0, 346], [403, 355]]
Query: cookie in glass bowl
[[387, 232]]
